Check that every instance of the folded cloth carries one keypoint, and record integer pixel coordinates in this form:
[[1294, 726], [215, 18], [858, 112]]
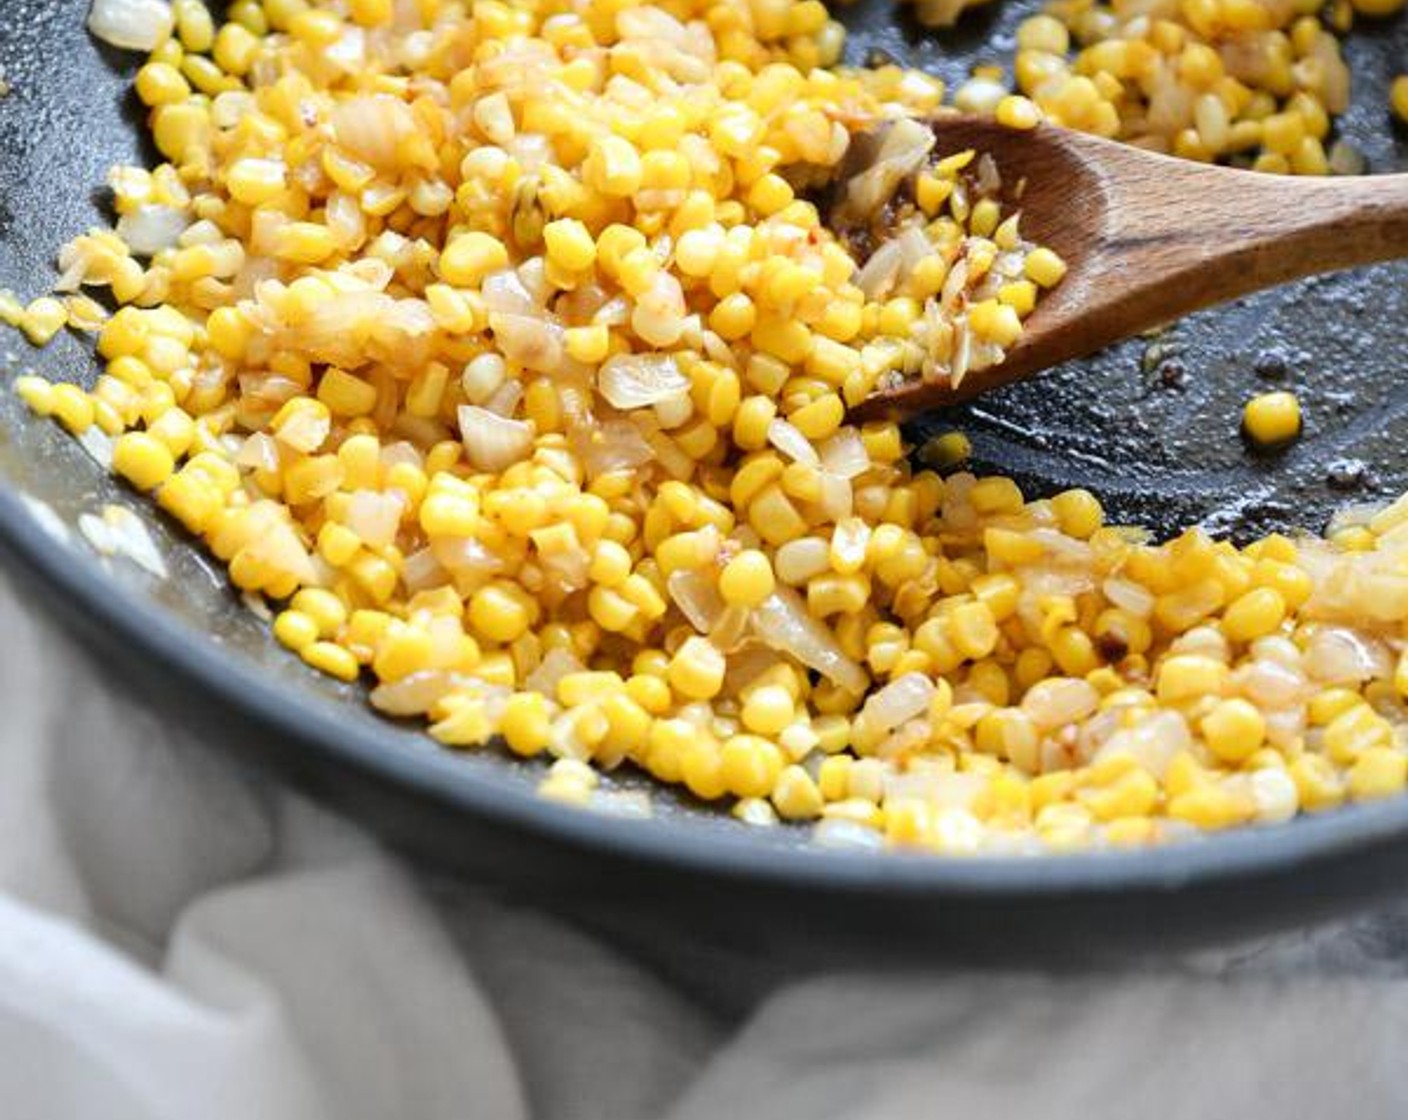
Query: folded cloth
[[180, 937]]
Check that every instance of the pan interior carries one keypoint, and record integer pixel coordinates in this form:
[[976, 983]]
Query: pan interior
[[1151, 426]]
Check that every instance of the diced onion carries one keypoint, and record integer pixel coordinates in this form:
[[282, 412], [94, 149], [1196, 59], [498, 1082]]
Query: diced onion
[[880, 271], [616, 445], [900, 152], [422, 571], [1059, 701], [640, 380], [150, 229], [1269, 684], [491, 442], [259, 453], [532, 340], [1129, 596], [373, 126], [414, 695], [836, 832], [465, 556], [98, 444], [837, 497], [503, 291], [844, 454], [1154, 742], [782, 622], [1338, 655], [904, 698], [556, 664], [792, 443], [697, 598], [374, 516], [132, 25]]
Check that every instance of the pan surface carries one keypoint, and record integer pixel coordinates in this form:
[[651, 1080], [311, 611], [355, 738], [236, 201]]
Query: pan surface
[[1151, 427]]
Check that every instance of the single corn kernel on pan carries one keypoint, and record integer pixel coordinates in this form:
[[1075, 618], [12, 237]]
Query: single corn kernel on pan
[[1151, 427]]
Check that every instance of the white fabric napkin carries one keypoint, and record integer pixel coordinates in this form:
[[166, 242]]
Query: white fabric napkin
[[180, 938]]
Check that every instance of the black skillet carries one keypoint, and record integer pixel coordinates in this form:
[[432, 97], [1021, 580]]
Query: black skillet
[[1151, 427]]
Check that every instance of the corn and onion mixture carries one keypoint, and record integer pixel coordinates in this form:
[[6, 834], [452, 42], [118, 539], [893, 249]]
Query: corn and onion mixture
[[506, 354], [1253, 83]]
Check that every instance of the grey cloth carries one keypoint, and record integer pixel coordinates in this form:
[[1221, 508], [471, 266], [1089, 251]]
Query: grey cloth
[[180, 938]]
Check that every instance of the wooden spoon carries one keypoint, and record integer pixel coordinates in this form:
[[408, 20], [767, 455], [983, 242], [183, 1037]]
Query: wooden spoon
[[1149, 238]]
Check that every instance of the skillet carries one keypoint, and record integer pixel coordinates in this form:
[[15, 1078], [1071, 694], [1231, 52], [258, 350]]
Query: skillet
[[1150, 426]]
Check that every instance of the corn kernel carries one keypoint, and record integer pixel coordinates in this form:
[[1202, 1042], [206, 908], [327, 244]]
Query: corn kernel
[[1234, 730], [1044, 267], [697, 669], [470, 257], [1272, 419], [747, 579], [143, 460]]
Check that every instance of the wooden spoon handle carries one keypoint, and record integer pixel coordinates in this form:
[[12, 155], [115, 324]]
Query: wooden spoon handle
[[1222, 233], [1178, 237]]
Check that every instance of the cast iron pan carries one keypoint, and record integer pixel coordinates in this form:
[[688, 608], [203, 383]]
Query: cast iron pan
[[1151, 427]]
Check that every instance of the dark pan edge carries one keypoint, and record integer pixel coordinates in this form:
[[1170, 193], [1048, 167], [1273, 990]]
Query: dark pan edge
[[114, 615]]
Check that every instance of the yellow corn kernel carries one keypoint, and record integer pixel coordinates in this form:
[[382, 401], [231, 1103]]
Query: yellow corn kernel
[[43, 319], [295, 630], [331, 659], [1132, 794], [346, 395], [697, 669], [1378, 772], [750, 766], [774, 517], [588, 344], [769, 194], [190, 498], [1234, 730], [325, 609], [1317, 785], [501, 612], [1211, 807], [1078, 512], [371, 13], [1253, 615], [832, 594], [526, 724], [304, 243], [466, 725], [569, 244], [1190, 677], [37, 393], [159, 83], [1354, 732], [795, 795], [1327, 705], [142, 459], [470, 257], [1044, 267], [747, 579], [768, 710], [613, 167], [403, 650], [235, 50], [819, 419], [253, 181], [1398, 97], [1272, 419], [1019, 112], [701, 767]]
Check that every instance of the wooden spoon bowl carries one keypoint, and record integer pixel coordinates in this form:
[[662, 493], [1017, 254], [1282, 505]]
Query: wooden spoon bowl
[[1148, 238]]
